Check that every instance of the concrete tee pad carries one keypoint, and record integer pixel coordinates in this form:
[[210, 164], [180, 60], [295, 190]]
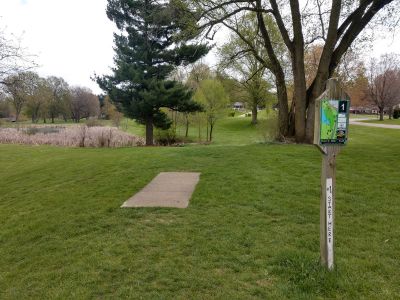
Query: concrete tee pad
[[167, 189]]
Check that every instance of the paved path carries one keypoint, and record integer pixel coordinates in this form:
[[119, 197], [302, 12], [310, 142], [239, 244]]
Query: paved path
[[357, 122], [167, 189]]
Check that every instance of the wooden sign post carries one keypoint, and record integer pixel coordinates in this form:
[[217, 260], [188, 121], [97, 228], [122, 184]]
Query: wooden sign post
[[330, 135]]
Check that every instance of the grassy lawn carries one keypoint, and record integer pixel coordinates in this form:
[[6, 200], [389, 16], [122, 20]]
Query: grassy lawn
[[385, 121], [228, 131], [251, 230], [362, 116]]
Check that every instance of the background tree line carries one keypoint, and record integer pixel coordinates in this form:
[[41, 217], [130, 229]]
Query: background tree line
[[45, 99], [372, 83]]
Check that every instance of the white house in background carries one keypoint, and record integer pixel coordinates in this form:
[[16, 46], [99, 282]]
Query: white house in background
[[238, 105]]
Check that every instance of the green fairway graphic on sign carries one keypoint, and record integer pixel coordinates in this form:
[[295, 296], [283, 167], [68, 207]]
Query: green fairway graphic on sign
[[334, 121]]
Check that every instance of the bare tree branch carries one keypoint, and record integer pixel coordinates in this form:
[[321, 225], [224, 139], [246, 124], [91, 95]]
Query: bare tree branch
[[281, 25], [354, 30]]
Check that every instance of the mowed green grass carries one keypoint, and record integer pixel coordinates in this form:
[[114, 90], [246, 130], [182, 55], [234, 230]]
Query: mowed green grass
[[251, 230], [362, 116], [385, 121], [227, 131]]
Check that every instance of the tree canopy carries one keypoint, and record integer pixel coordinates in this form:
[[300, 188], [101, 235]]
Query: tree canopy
[[211, 94], [13, 57], [251, 74], [383, 87], [28, 94], [336, 25]]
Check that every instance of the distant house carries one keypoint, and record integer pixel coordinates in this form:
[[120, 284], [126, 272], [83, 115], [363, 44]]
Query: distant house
[[238, 106], [364, 110]]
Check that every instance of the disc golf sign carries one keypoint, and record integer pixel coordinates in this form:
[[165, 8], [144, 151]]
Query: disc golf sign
[[331, 130], [334, 121]]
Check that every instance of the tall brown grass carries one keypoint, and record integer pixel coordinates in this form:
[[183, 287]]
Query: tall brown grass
[[70, 136]]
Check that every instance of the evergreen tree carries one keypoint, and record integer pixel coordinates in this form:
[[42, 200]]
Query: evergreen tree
[[148, 48]]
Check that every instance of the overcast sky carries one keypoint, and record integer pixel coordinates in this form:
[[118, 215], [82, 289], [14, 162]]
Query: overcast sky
[[74, 38]]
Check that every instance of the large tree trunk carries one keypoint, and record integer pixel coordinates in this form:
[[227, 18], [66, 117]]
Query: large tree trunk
[[310, 121], [254, 113], [300, 94], [283, 106], [149, 132], [291, 128], [300, 86], [277, 70], [381, 113], [324, 71], [300, 112], [312, 94]]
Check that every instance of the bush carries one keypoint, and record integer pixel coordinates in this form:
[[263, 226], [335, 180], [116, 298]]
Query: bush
[[269, 128], [166, 137], [231, 113], [21, 119], [93, 122], [396, 113], [116, 118]]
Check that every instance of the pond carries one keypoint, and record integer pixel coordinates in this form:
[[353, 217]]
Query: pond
[[43, 130]]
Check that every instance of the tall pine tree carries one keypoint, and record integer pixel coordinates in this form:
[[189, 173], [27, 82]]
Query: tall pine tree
[[148, 48]]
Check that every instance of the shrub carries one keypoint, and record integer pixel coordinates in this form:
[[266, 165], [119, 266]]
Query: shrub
[[396, 113], [166, 137], [22, 118], [269, 128], [93, 122], [116, 118], [231, 113]]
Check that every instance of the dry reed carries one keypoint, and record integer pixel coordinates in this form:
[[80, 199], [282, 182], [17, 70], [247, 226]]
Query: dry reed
[[70, 136]]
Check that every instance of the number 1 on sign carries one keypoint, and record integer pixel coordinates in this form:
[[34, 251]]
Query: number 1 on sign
[[329, 222]]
